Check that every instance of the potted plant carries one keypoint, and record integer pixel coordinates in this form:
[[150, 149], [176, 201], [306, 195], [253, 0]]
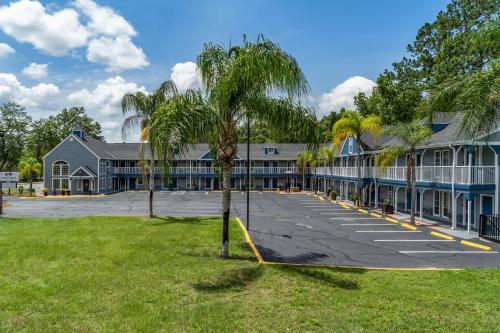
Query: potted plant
[[387, 206], [333, 194], [355, 199], [45, 191], [68, 192]]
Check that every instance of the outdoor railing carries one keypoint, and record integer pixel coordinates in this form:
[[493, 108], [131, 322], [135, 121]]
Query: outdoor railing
[[444, 174], [211, 170]]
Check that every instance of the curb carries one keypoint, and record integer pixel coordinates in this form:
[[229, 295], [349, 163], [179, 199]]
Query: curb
[[250, 243], [479, 246]]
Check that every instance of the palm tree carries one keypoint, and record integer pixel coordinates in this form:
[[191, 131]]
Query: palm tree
[[30, 168], [304, 160], [476, 96], [410, 135], [353, 124], [327, 156], [140, 108], [240, 83]]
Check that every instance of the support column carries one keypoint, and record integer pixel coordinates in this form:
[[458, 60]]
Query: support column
[[469, 215], [376, 195], [421, 204], [497, 183], [396, 199]]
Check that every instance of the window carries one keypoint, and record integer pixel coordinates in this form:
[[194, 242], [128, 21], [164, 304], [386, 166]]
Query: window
[[437, 203], [102, 168], [266, 164], [79, 185], [271, 151], [437, 158], [60, 184], [351, 144], [60, 168], [446, 157], [139, 180], [102, 183]]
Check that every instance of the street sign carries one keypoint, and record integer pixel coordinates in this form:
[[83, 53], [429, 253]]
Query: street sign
[[9, 176]]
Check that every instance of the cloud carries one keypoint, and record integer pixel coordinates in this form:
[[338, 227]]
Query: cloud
[[342, 96], [185, 75], [106, 34], [103, 20], [6, 50], [105, 98], [56, 33], [116, 53], [36, 71], [39, 96]]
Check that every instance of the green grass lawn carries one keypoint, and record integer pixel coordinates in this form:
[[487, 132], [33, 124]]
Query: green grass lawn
[[129, 274]]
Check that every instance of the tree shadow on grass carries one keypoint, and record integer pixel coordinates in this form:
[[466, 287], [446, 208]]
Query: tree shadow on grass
[[167, 220], [215, 254], [234, 280], [330, 276]]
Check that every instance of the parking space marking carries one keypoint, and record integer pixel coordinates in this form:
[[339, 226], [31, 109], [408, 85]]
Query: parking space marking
[[376, 215], [408, 226], [413, 240], [363, 211], [344, 213], [399, 231], [370, 224], [450, 252], [304, 225], [354, 218]]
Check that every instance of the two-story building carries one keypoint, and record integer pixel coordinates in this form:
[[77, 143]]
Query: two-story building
[[456, 180], [81, 164]]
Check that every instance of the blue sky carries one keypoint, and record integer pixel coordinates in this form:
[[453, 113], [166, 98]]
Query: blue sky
[[56, 54]]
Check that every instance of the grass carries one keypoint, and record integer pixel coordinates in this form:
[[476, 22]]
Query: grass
[[130, 274]]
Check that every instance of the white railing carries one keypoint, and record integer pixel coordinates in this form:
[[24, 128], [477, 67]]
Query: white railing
[[366, 172], [444, 174], [211, 170]]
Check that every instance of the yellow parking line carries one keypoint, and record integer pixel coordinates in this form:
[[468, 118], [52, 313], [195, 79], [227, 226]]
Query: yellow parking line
[[391, 220], [321, 198], [438, 234], [333, 201], [344, 206], [479, 246], [408, 226], [376, 215], [363, 211]]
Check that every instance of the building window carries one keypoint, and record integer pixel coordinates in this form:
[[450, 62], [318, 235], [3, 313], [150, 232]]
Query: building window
[[102, 168], [60, 184], [437, 203], [437, 158], [271, 151], [446, 204], [446, 157], [60, 168], [79, 185], [351, 144], [139, 180], [102, 183]]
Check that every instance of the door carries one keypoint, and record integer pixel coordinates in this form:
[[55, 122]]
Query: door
[[487, 205], [266, 182], [275, 182], [86, 185], [208, 183], [132, 183]]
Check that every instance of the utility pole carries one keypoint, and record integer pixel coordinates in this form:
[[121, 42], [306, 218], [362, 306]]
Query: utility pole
[[2, 138], [248, 172]]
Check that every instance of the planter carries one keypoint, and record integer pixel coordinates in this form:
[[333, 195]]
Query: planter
[[68, 193], [356, 203], [45, 194], [333, 196], [388, 209]]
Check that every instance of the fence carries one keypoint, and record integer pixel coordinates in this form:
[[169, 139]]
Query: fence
[[489, 227]]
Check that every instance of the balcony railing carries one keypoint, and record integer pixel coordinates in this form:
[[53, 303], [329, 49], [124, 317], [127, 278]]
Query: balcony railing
[[444, 174], [211, 170]]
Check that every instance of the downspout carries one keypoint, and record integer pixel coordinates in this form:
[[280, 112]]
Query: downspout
[[454, 215]]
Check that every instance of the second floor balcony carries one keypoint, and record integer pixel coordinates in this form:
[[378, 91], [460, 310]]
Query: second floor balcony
[[211, 170]]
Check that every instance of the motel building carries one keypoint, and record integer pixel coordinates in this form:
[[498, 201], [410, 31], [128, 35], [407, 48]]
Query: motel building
[[457, 181]]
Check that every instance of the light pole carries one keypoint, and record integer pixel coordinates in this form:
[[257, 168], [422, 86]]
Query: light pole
[[2, 143], [248, 172]]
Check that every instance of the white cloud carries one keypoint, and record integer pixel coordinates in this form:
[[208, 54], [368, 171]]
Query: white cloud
[[6, 49], [38, 96], [55, 33], [106, 34], [186, 76], [105, 98], [103, 20], [36, 71], [342, 96], [116, 53]]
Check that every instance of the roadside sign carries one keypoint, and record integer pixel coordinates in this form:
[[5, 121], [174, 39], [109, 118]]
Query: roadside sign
[[9, 176], [9, 185]]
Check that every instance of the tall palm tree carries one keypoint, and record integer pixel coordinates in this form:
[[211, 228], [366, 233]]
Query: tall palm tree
[[476, 96], [409, 135], [30, 168], [139, 109], [241, 82], [327, 155], [353, 124]]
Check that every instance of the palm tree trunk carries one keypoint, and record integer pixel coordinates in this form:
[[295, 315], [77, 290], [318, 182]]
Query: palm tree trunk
[[31, 187], [413, 186], [151, 183], [226, 203]]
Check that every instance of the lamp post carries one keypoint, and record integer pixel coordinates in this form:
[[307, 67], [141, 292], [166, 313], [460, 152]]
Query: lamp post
[[2, 143], [248, 172]]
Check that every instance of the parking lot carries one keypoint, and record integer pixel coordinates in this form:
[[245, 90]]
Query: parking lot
[[289, 228]]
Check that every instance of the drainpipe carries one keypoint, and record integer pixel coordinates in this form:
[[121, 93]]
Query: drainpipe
[[422, 164]]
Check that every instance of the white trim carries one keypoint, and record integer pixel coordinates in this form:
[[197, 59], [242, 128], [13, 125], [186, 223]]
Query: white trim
[[58, 176], [81, 167]]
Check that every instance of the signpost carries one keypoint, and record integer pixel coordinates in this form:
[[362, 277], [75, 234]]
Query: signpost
[[6, 177]]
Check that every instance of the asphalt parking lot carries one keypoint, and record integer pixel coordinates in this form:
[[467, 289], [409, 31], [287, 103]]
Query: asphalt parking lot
[[288, 228]]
